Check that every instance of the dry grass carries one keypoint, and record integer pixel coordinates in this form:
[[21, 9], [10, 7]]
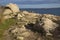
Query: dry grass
[[5, 25]]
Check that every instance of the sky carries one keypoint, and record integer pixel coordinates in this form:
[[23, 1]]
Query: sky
[[33, 3]]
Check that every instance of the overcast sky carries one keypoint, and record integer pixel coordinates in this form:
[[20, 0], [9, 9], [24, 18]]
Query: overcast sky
[[33, 3]]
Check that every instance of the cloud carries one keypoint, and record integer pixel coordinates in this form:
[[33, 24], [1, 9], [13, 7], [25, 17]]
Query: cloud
[[29, 1], [33, 3], [33, 0], [40, 6]]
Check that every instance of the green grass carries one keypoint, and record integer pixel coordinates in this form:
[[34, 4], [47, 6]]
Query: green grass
[[5, 25]]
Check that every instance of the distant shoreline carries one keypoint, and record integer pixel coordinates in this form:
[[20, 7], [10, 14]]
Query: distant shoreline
[[55, 11]]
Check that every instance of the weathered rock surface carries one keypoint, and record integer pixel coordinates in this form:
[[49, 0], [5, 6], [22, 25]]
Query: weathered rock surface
[[32, 26], [13, 7], [9, 10]]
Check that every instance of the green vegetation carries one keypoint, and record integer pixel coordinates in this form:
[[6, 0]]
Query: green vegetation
[[5, 25]]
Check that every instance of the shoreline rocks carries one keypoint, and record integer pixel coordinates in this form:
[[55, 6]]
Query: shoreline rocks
[[30, 26]]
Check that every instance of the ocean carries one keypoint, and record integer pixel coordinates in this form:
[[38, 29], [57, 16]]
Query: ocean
[[55, 11]]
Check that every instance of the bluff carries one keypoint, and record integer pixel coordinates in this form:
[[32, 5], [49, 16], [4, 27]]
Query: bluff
[[29, 25]]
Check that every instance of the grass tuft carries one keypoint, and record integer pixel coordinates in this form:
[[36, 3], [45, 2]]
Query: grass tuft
[[5, 25]]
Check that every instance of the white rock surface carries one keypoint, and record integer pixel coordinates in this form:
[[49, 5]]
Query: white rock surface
[[10, 10], [7, 12], [19, 16], [48, 25], [13, 7]]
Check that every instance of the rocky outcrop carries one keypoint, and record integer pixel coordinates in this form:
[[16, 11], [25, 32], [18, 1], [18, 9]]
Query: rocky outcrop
[[13, 7], [31, 26], [35, 27], [9, 11]]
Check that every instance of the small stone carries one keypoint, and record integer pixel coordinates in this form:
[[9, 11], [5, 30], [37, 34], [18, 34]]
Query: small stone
[[26, 34], [19, 16], [20, 38]]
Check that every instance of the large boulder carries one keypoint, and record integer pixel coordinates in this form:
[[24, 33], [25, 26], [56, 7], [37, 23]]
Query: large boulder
[[13, 7], [10, 10], [49, 25]]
